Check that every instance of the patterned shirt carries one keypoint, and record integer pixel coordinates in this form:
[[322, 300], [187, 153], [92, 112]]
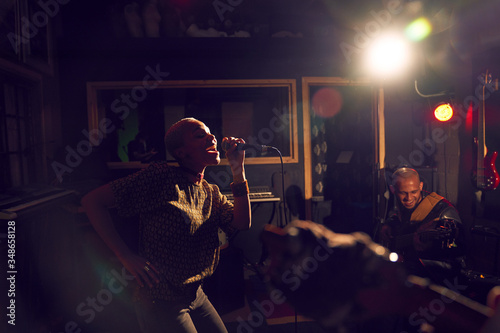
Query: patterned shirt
[[179, 223]]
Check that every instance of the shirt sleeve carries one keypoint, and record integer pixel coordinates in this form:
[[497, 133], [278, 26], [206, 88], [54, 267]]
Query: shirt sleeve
[[225, 210], [140, 192]]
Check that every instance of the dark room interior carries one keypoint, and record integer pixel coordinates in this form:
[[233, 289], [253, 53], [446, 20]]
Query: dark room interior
[[82, 81]]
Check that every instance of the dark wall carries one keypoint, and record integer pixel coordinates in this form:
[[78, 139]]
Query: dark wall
[[90, 49], [97, 53]]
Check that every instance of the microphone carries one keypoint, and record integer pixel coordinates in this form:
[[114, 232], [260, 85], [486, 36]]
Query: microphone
[[244, 146]]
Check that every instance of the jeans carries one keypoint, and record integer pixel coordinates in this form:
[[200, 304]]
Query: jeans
[[184, 316]]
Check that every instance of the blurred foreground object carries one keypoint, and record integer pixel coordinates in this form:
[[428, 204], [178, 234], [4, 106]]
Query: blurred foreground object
[[341, 279]]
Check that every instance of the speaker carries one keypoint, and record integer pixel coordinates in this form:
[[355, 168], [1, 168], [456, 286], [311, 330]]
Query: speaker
[[319, 148]]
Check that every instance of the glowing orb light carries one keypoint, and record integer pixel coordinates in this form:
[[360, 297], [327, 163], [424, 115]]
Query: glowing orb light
[[326, 102], [388, 56], [443, 112], [419, 29], [393, 256]]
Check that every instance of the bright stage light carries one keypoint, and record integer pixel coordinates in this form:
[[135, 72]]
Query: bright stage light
[[443, 112], [388, 56]]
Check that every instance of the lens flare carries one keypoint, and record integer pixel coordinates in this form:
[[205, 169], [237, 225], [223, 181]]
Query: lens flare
[[419, 29], [326, 102]]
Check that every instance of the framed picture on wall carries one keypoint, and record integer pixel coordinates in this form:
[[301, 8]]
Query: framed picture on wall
[[339, 146], [262, 112]]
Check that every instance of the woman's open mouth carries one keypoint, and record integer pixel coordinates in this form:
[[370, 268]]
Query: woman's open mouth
[[212, 149]]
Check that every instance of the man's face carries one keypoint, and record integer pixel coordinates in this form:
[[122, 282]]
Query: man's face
[[408, 191], [200, 146]]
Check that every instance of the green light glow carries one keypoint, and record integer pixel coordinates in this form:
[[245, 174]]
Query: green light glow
[[418, 29]]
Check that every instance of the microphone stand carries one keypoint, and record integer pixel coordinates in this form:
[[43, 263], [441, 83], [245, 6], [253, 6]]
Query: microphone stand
[[283, 215], [283, 202]]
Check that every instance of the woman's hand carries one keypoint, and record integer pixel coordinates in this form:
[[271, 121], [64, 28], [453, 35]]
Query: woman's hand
[[234, 156], [143, 271], [242, 216]]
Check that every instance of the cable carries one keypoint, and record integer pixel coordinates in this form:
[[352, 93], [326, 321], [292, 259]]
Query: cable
[[283, 197], [441, 93]]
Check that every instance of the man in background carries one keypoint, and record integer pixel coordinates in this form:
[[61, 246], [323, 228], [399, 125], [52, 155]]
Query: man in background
[[423, 228]]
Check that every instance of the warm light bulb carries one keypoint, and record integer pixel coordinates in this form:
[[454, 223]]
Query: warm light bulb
[[443, 112]]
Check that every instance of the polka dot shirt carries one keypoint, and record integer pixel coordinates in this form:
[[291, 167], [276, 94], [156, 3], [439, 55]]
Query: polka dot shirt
[[179, 223]]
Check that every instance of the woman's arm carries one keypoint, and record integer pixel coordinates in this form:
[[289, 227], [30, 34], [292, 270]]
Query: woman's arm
[[242, 216], [96, 205]]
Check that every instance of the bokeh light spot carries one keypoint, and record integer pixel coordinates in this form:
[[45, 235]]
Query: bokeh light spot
[[327, 102], [393, 256], [419, 29]]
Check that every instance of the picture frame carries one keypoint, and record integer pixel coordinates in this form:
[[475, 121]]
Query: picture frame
[[263, 112], [325, 101]]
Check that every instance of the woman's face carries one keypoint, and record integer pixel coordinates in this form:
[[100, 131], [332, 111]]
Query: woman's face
[[200, 146]]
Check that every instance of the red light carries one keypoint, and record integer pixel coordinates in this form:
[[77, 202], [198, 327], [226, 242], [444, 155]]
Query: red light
[[443, 112]]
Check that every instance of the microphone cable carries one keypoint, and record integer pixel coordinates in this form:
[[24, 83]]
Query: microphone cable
[[285, 218], [283, 196], [283, 199]]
